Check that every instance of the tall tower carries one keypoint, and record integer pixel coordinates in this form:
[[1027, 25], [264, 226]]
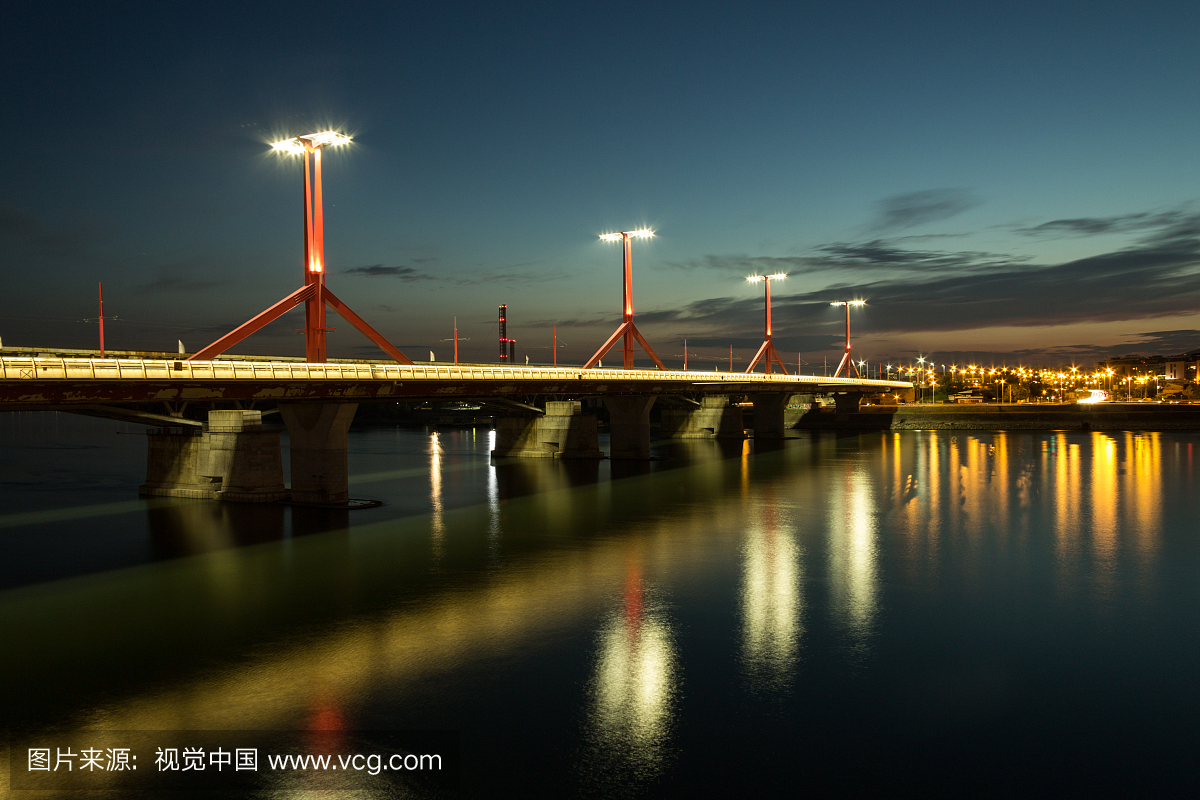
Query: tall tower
[[504, 334]]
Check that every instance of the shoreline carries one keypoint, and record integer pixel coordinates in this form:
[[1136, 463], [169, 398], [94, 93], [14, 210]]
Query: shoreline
[[996, 417]]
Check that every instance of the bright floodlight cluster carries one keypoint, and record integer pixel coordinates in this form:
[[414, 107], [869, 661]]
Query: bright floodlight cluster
[[778, 276], [644, 233], [850, 303], [296, 145]]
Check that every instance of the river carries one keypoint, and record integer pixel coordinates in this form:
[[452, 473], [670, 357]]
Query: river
[[896, 612]]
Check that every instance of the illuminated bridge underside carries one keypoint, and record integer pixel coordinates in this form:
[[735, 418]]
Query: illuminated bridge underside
[[32, 383]]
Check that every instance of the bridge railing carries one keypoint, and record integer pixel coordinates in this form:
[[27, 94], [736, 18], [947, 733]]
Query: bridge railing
[[110, 369]]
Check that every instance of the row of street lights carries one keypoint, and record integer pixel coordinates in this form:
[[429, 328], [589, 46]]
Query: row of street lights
[[627, 331], [315, 295]]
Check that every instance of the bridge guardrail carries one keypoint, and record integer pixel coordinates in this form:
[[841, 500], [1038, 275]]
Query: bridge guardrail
[[87, 369]]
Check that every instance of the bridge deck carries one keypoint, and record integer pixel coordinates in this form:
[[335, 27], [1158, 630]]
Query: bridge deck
[[26, 382]]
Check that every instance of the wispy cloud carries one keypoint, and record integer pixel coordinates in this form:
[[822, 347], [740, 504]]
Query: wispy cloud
[[73, 241], [405, 274], [178, 278], [168, 283], [943, 290], [1168, 342], [885, 253], [1122, 223], [513, 274], [876, 254], [920, 208]]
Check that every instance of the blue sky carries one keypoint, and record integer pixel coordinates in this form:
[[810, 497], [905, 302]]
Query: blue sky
[[1015, 183]]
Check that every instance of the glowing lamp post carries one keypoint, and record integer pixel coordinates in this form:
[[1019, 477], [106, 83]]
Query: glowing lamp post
[[767, 351], [847, 362], [626, 330], [313, 293], [314, 232]]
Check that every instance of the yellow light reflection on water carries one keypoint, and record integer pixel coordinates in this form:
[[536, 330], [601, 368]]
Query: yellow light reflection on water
[[436, 522], [634, 687], [1106, 506], [853, 552], [493, 494], [771, 600], [1142, 488]]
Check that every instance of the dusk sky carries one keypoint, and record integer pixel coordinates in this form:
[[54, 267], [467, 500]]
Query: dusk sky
[[1009, 183]]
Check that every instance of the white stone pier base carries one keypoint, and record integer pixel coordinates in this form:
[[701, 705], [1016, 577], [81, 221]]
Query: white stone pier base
[[714, 419], [233, 459], [318, 450], [564, 432]]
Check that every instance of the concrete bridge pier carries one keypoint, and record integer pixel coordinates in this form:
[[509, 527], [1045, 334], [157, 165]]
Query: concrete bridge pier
[[564, 432], [318, 450], [629, 426], [847, 402], [232, 459], [769, 410], [798, 406], [715, 418]]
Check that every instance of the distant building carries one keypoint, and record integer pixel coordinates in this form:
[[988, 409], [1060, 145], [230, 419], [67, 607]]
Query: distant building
[[1134, 366], [1170, 375], [1182, 367]]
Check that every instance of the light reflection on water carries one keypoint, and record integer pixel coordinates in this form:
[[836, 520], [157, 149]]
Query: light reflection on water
[[852, 551], [635, 682], [610, 613], [771, 598]]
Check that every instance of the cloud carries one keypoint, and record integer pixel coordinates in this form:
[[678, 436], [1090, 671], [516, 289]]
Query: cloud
[[788, 345], [174, 278], [18, 222], [498, 276], [175, 284], [911, 291], [405, 274], [875, 254], [746, 265], [1061, 354], [919, 208], [1123, 223], [77, 240], [883, 253], [1167, 342]]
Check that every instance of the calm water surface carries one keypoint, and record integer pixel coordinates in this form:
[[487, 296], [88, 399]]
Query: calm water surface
[[901, 612]]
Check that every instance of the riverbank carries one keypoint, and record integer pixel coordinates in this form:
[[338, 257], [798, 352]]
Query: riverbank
[[996, 417]]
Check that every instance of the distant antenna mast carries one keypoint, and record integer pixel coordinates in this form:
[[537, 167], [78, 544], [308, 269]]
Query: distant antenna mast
[[504, 334], [101, 285]]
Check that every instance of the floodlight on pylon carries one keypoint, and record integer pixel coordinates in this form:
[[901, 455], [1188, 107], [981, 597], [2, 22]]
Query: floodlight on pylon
[[314, 294]]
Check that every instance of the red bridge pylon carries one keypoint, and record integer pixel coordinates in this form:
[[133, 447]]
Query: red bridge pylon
[[313, 293], [626, 330], [847, 363], [767, 352]]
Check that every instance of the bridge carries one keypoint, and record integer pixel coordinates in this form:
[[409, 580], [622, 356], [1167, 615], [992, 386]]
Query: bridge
[[211, 443]]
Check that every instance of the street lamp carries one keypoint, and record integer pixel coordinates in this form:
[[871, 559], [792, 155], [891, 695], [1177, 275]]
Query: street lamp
[[314, 232], [847, 362], [313, 293], [767, 351], [626, 330]]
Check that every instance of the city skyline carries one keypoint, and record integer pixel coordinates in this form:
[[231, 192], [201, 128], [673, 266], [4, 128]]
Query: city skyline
[[1000, 186]]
